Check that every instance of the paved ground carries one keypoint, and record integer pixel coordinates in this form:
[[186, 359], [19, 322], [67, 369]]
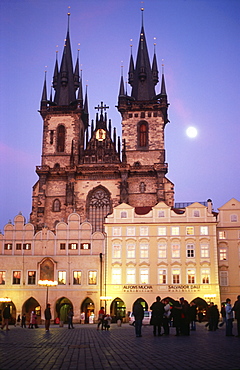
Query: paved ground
[[86, 348]]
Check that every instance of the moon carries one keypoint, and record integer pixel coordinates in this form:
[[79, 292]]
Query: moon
[[191, 132]]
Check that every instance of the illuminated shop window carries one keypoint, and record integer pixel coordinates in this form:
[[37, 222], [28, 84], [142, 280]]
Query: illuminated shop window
[[204, 248], [62, 277], [162, 276], [162, 250], [31, 277], [77, 277], [131, 250], [92, 277], [131, 275], [16, 277], [116, 275]]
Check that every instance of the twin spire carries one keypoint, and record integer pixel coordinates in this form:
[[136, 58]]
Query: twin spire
[[66, 81]]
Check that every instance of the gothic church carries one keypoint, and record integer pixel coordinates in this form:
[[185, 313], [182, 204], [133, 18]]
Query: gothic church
[[85, 168]]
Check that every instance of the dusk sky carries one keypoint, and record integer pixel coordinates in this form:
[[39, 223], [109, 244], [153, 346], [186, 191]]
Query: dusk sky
[[199, 43]]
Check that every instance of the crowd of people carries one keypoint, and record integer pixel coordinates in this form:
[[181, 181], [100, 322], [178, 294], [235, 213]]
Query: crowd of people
[[183, 316]]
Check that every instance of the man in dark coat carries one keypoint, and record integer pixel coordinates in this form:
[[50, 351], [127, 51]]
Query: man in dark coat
[[236, 309], [138, 313], [157, 315], [48, 316], [6, 316]]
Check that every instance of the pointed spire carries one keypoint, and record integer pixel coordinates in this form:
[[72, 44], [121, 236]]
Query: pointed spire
[[163, 86], [141, 78], [131, 70], [121, 89], [44, 93], [85, 108], [80, 90], [63, 80], [155, 68], [76, 73]]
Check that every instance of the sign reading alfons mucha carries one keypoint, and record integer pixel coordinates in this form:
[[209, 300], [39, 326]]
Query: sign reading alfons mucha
[[137, 288], [184, 288]]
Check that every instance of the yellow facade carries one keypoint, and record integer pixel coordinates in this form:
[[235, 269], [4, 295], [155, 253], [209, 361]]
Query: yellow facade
[[163, 252], [229, 249]]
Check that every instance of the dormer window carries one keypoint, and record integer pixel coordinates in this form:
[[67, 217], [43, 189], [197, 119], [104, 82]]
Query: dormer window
[[143, 134]]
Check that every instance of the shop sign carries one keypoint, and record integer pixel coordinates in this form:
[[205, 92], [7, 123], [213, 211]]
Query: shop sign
[[184, 288], [137, 288]]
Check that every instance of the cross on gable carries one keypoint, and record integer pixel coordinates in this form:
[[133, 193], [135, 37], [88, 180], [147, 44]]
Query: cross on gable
[[101, 107]]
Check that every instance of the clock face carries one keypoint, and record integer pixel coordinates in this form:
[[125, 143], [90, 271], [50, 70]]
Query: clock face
[[100, 134]]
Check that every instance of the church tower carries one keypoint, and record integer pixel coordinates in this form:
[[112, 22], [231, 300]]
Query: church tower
[[144, 116]]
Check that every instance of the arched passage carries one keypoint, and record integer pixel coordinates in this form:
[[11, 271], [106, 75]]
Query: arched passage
[[62, 307], [12, 312], [202, 307], [117, 309], [143, 303], [88, 307], [31, 305]]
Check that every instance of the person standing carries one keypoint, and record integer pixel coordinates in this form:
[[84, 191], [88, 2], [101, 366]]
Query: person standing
[[236, 309], [229, 318], [48, 316], [193, 315], [157, 315], [101, 315], [138, 313], [23, 325], [70, 318], [6, 317]]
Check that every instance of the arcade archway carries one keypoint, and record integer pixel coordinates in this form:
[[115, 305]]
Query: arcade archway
[[143, 303], [12, 312], [31, 305], [88, 307], [62, 307], [117, 309]]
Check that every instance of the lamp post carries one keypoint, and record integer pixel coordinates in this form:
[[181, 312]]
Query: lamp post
[[47, 283]]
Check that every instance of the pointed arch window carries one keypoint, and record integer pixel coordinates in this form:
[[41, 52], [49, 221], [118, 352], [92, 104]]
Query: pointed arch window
[[98, 207], [61, 133], [143, 134], [56, 205]]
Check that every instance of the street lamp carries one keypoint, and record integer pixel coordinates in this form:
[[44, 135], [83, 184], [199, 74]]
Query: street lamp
[[47, 283]]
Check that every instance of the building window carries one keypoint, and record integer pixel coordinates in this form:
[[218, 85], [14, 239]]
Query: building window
[[162, 250], [16, 277], [116, 231], [204, 250], [123, 214], [189, 230], [233, 218], [143, 230], [8, 246], [62, 246], [222, 234], [223, 254], [144, 250], [116, 275], [131, 250], [203, 230], [77, 277], [196, 213], [62, 277], [116, 250], [175, 230], [161, 214], [144, 275], [176, 276], [31, 277], [85, 246], [191, 276], [2, 277], [73, 246], [223, 278], [190, 251], [205, 276], [130, 231], [27, 246], [175, 250], [92, 277], [61, 138], [131, 275], [18, 246], [142, 134], [162, 231], [162, 276], [56, 205], [98, 207]]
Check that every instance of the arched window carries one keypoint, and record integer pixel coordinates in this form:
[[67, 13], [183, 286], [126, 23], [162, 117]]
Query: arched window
[[61, 138], [98, 207], [142, 134], [56, 205]]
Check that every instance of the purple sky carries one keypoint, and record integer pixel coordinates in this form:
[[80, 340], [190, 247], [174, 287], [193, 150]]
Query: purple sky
[[199, 42]]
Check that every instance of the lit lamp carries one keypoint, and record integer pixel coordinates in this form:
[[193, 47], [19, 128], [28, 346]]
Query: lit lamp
[[2, 300], [47, 283], [105, 299]]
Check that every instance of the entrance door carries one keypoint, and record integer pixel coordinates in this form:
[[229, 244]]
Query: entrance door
[[88, 308], [117, 309]]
